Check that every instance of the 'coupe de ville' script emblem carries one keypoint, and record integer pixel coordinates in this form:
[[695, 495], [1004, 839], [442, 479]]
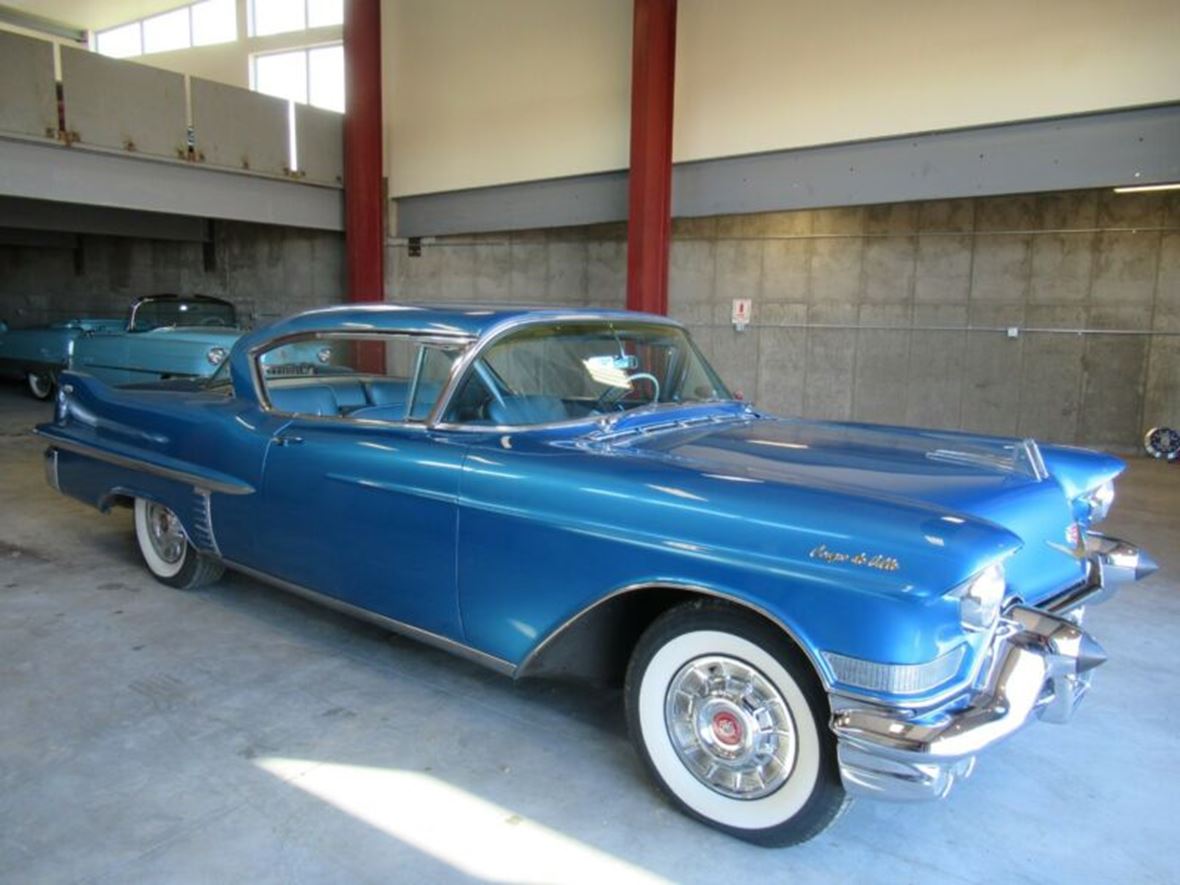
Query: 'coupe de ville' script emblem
[[862, 559]]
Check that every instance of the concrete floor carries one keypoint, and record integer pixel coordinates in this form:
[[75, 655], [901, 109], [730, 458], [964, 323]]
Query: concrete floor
[[240, 734]]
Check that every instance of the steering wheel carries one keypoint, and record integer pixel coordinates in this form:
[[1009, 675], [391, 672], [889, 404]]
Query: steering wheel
[[213, 321], [611, 396]]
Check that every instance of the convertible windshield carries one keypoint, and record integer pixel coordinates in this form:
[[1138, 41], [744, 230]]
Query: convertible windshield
[[155, 313], [548, 373]]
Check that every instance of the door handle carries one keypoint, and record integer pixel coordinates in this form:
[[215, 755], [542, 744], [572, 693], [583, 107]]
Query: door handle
[[288, 440]]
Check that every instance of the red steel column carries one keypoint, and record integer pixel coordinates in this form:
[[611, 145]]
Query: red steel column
[[364, 231], [649, 222]]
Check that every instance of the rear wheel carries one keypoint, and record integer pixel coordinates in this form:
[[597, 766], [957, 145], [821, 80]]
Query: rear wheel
[[732, 723], [166, 550], [40, 384]]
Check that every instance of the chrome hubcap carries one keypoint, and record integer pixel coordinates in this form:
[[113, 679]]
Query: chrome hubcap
[[730, 727], [164, 532]]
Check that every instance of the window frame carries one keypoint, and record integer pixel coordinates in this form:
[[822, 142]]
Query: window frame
[[139, 23], [306, 51], [252, 28], [466, 366], [464, 343]]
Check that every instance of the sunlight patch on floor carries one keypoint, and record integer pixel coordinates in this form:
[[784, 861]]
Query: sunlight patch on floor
[[475, 836]]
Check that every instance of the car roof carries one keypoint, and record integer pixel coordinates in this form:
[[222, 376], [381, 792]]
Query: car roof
[[471, 320]]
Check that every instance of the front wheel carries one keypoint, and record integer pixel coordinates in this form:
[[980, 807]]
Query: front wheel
[[730, 720], [166, 551], [40, 384]]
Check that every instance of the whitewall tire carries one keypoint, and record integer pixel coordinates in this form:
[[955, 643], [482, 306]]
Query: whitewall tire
[[166, 551], [731, 722], [40, 384]]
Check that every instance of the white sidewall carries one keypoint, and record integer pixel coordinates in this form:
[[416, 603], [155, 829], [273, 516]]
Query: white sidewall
[[40, 385], [155, 563], [747, 814]]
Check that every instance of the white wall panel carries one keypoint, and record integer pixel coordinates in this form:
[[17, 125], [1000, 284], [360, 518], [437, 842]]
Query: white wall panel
[[760, 75], [499, 91], [504, 91]]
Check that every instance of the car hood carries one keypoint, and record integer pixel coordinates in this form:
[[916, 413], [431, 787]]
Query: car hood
[[996, 480]]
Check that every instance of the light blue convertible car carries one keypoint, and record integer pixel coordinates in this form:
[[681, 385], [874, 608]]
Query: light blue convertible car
[[38, 354], [164, 336], [799, 611]]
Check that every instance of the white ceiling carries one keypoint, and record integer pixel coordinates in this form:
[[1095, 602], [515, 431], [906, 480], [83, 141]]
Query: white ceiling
[[93, 14]]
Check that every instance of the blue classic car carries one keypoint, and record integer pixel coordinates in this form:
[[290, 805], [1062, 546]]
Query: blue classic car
[[36, 355], [799, 611], [164, 336]]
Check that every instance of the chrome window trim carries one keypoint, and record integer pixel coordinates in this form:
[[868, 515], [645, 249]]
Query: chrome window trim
[[130, 327], [505, 327], [425, 636], [260, 395]]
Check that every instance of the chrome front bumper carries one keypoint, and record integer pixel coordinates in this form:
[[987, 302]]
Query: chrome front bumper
[[1041, 664]]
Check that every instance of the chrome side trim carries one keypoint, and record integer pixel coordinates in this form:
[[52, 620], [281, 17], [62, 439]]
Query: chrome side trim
[[400, 627], [522, 668], [195, 480], [203, 519]]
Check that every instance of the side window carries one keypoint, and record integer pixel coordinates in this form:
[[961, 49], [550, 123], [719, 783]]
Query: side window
[[381, 377]]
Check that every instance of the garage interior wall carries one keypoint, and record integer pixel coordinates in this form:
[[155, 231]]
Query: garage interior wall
[[862, 312], [486, 93], [265, 270]]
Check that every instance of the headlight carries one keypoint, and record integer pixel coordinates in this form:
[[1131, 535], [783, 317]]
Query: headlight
[[1099, 501], [981, 597], [216, 355]]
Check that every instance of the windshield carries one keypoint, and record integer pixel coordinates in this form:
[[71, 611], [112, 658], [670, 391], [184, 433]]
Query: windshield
[[548, 373], [153, 313]]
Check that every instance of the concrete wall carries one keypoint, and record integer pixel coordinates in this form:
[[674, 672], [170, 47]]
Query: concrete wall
[[266, 271], [863, 312]]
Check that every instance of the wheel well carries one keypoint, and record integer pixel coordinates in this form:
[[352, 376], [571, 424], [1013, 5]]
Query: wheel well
[[116, 499], [596, 646]]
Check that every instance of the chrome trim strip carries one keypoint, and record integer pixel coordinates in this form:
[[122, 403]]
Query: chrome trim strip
[[536, 650], [196, 481], [1035, 459], [207, 503], [400, 627]]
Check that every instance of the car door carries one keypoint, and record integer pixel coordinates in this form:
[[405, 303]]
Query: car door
[[362, 505]]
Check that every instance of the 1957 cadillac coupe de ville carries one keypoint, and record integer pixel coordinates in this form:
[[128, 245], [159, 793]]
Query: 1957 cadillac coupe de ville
[[799, 611]]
